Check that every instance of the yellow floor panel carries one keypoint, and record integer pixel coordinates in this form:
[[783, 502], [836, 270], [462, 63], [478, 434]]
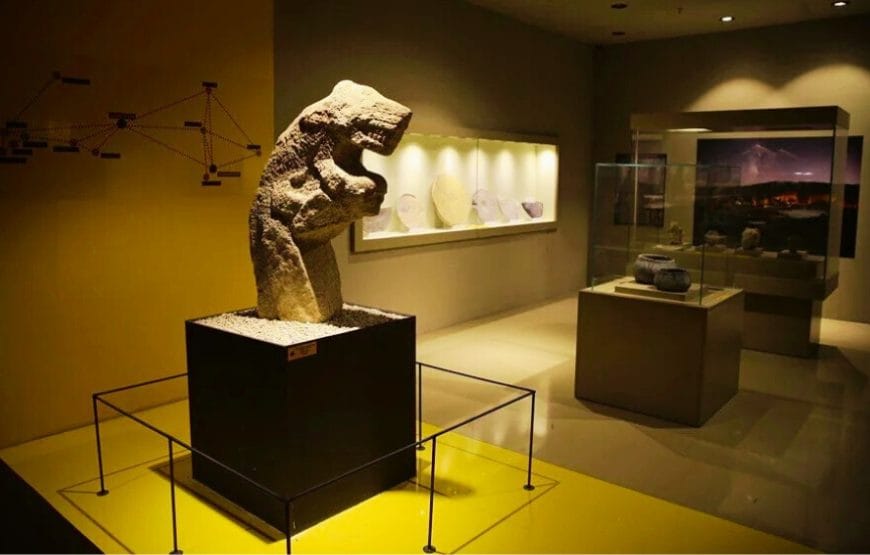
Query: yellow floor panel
[[480, 504]]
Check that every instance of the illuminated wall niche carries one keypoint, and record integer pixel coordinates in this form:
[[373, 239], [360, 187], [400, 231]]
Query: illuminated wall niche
[[517, 173]]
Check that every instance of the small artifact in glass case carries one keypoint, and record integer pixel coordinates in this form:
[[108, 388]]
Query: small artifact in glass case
[[410, 211], [485, 204], [534, 208], [715, 240], [510, 208], [312, 188], [674, 280], [373, 224], [647, 264], [675, 232], [792, 252], [452, 201]]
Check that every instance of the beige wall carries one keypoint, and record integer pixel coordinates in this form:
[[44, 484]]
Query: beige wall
[[456, 66], [102, 261], [809, 64]]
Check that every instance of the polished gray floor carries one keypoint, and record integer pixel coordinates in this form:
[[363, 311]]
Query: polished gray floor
[[790, 454]]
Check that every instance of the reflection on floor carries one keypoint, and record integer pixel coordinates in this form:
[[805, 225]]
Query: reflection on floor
[[788, 455], [480, 504]]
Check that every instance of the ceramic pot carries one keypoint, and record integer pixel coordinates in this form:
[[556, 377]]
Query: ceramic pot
[[675, 280], [646, 266]]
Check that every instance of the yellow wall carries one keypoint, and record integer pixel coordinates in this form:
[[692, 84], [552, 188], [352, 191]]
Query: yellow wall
[[103, 260], [456, 66], [809, 64]]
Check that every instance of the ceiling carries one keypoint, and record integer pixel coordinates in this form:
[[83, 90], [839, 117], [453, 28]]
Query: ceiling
[[594, 21]]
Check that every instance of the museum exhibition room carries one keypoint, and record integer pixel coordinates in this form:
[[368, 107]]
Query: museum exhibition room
[[419, 276]]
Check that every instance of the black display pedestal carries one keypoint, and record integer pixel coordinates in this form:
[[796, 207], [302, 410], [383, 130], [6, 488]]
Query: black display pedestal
[[293, 416]]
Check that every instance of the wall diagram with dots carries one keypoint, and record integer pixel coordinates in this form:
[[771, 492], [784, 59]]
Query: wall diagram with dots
[[21, 139]]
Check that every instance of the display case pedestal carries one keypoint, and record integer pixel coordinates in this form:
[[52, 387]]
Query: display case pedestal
[[782, 312], [293, 416], [783, 325], [678, 361]]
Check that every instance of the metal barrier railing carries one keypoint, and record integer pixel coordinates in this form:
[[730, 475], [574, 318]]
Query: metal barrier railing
[[289, 501]]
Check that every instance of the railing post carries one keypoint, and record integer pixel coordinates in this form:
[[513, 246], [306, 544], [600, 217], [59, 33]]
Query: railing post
[[529, 486], [288, 524], [420, 446], [175, 550], [429, 548], [103, 491]]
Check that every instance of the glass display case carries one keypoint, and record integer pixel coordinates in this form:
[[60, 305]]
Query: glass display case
[[446, 188], [791, 185], [660, 327], [649, 232], [756, 197]]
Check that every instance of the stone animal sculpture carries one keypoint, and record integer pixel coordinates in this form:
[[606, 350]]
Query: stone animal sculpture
[[314, 185], [715, 240]]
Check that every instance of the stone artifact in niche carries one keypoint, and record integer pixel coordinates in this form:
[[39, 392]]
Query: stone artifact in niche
[[675, 231], [380, 222], [534, 208], [646, 266], [674, 280], [510, 208], [410, 212], [452, 202], [314, 185], [486, 205]]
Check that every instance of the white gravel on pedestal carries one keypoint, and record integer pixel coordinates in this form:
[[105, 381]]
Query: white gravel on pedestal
[[284, 332]]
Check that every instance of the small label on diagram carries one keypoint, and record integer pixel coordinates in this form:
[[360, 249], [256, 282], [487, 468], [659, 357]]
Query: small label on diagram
[[301, 351]]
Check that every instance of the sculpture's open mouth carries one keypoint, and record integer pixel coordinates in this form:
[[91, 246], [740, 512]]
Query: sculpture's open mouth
[[359, 181], [382, 135]]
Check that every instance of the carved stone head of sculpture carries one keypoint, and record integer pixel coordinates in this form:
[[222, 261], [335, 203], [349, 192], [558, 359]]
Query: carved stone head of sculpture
[[314, 185]]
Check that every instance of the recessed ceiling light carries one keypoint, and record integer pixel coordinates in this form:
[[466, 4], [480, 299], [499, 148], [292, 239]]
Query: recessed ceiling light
[[726, 18], [840, 3], [618, 33], [619, 5]]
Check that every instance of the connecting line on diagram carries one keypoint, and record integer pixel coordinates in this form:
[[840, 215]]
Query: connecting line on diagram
[[20, 139]]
